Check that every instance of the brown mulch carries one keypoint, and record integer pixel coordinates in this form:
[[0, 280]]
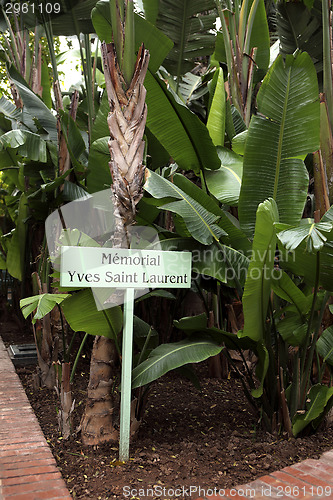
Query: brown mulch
[[188, 438]]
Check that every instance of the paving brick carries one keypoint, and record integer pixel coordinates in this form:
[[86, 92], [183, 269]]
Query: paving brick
[[20, 439], [22, 458], [18, 450], [25, 488], [33, 478], [305, 474], [25, 471], [22, 446], [39, 495], [27, 463], [288, 479], [272, 481]]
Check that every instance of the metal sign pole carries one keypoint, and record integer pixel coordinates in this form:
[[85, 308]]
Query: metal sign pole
[[126, 376]]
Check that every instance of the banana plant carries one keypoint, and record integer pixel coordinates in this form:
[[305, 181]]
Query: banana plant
[[306, 26], [280, 315], [190, 31], [244, 46], [280, 136]]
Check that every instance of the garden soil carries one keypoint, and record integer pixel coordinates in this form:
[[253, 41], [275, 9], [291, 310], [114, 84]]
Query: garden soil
[[189, 438]]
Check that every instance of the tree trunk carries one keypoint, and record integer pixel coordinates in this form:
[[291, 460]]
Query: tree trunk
[[97, 422], [126, 121]]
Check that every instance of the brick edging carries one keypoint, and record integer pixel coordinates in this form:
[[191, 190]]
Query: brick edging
[[28, 470]]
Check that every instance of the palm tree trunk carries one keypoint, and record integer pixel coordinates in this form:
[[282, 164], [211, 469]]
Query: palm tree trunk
[[126, 121]]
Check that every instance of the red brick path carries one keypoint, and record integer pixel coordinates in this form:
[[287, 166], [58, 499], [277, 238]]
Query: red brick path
[[28, 470]]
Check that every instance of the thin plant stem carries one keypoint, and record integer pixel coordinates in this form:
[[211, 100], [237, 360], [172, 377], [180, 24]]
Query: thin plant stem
[[313, 306], [145, 345], [64, 340], [77, 357], [114, 335], [313, 345], [69, 349]]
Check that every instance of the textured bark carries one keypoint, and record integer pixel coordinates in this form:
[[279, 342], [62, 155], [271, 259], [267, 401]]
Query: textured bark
[[126, 121], [97, 422]]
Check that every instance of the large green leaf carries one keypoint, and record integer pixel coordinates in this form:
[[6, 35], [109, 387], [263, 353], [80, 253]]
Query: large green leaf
[[279, 137], [99, 176], [43, 304], [225, 183], [39, 112], [200, 222], [75, 142], [301, 262], [259, 37], [25, 143], [317, 399], [78, 17], [311, 233], [301, 28], [285, 288], [192, 324], [151, 10], [167, 357], [216, 117], [293, 329], [158, 44], [82, 315], [9, 112], [179, 130], [258, 282], [220, 262], [187, 23], [324, 345]]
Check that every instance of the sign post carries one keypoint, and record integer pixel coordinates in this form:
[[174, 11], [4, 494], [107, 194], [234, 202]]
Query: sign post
[[127, 269], [126, 376]]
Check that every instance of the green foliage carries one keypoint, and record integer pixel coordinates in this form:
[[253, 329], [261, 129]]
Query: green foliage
[[279, 137], [158, 44], [167, 357], [179, 130], [260, 272], [82, 315], [310, 233], [199, 220], [264, 175], [317, 401], [187, 24], [216, 117], [43, 304], [299, 26], [225, 183]]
